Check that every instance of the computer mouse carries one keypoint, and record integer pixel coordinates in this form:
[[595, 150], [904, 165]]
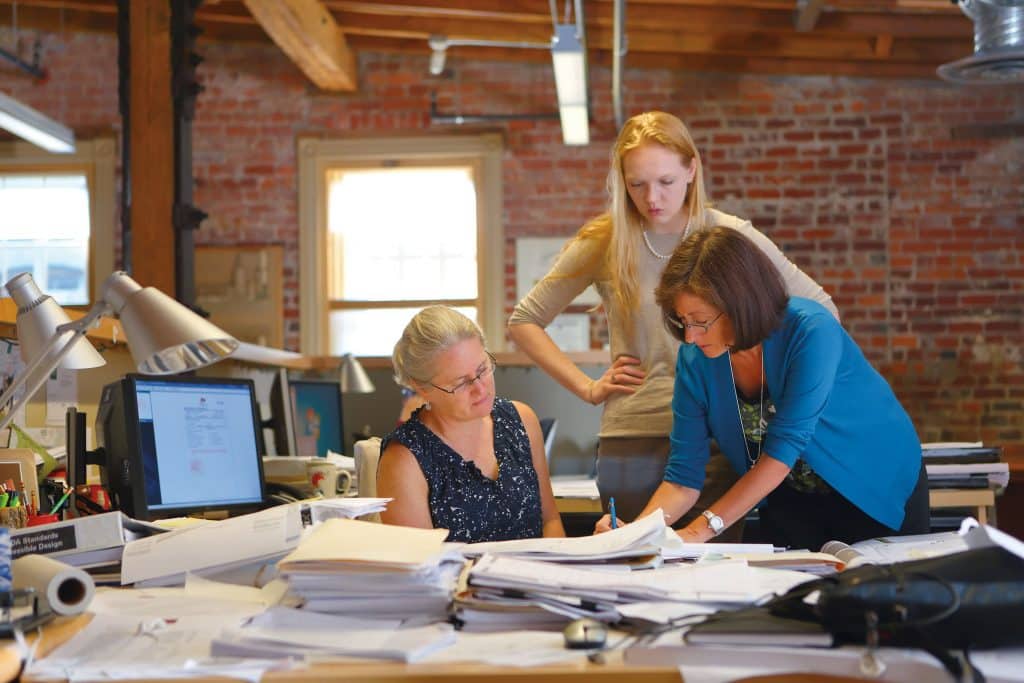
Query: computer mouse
[[585, 634]]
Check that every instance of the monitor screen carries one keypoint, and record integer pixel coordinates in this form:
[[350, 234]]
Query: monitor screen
[[316, 412], [177, 445]]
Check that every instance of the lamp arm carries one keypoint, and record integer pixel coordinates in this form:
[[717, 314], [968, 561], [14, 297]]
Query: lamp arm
[[78, 329]]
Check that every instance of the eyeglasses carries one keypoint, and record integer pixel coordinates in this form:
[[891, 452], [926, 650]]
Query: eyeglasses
[[683, 325], [461, 387]]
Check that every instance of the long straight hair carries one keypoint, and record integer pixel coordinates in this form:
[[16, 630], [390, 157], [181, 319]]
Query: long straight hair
[[618, 232]]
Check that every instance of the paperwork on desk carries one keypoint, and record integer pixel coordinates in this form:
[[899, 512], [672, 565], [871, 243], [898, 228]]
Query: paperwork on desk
[[373, 570], [286, 632], [510, 593], [209, 549], [345, 508], [644, 537], [113, 647]]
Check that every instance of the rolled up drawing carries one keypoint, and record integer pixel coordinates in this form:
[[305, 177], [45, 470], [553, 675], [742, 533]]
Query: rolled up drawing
[[67, 590]]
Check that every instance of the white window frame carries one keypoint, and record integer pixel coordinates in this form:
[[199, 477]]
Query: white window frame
[[316, 156], [96, 159]]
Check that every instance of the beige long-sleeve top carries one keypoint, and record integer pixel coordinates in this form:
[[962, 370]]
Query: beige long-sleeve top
[[648, 412]]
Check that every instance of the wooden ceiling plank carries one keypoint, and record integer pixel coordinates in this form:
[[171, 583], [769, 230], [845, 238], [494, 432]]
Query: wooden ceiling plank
[[306, 31], [807, 14], [883, 45]]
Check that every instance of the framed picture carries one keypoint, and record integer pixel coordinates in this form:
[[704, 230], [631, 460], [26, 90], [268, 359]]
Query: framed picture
[[242, 287]]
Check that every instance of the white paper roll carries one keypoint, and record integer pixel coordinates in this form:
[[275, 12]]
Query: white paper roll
[[67, 590]]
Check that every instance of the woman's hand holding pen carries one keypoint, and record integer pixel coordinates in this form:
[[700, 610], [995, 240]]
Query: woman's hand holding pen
[[623, 377], [605, 524]]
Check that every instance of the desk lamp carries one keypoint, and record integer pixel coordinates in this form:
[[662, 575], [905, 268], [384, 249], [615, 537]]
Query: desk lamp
[[353, 377], [164, 336]]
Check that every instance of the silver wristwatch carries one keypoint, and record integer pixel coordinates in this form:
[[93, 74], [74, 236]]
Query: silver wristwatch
[[715, 522]]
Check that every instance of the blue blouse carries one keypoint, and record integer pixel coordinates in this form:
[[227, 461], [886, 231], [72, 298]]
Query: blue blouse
[[833, 411], [471, 506]]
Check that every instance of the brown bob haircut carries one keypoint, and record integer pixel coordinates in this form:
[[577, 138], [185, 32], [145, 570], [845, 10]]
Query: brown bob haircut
[[727, 270]]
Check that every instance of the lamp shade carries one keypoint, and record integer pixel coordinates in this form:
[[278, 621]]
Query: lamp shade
[[38, 318], [164, 336], [354, 379]]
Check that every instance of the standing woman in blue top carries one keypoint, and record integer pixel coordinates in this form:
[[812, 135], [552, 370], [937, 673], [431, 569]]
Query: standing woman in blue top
[[814, 431], [465, 461]]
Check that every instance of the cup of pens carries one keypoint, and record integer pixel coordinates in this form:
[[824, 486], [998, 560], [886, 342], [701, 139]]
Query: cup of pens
[[13, 513]]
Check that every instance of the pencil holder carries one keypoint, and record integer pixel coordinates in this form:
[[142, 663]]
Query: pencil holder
[[14, 518]]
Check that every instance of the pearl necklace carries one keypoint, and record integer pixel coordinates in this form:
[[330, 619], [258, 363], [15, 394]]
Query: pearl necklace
[[654, 252]]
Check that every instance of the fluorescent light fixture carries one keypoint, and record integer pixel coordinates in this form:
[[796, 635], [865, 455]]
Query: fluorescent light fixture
[[570, 64], [31, 125]]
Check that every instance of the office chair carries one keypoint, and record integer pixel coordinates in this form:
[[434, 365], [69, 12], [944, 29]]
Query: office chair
[[548, 425]]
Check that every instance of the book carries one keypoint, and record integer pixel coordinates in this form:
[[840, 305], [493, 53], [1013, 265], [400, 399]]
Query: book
[[935, 454], [756, 626], [83, 541]]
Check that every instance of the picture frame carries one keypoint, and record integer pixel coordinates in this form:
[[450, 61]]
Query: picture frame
[[242, 288]]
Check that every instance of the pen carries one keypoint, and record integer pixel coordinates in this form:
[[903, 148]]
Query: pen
[[611, 512], [60, 502]]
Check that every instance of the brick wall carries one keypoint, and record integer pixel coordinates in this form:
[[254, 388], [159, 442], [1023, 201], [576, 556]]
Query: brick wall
[[903, 198]]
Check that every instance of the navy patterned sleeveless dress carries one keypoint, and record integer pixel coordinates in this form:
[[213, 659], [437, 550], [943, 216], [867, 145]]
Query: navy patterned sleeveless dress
[[471, 506]]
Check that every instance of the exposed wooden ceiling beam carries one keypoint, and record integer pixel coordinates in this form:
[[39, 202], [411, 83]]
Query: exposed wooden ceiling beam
[[883, 45], [306, 31], [807, 14]]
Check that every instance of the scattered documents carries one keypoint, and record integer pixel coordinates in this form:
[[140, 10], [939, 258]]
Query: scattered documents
[[212, 548], [113, 647], [285, 632], [641, 538]]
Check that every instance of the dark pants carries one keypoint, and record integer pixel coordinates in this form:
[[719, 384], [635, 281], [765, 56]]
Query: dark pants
[[809, 520], [631, 469]]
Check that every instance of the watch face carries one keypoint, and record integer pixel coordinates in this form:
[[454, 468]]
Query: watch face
[[714, 521]]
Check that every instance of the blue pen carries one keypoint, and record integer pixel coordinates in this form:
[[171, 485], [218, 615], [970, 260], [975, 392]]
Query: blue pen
[[611, 512]]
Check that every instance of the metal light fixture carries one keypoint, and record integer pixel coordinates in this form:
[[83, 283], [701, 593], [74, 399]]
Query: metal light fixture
[[438, 54], [568, 57], [164, 337], [353, 377], [37, 128], [37, 321]]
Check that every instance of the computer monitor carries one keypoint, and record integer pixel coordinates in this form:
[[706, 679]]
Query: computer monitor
[[180, 445], [306, 416]]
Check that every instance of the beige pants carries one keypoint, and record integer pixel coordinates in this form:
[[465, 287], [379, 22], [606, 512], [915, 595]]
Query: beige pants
[[630, 469]]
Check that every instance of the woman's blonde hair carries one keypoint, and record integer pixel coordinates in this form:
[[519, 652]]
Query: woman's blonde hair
[[431, 332], [619, 231]]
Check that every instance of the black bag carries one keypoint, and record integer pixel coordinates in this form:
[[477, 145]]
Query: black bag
[[968, 600]]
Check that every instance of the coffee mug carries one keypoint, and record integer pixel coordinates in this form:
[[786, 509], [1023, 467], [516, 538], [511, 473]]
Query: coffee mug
[[328, 479]]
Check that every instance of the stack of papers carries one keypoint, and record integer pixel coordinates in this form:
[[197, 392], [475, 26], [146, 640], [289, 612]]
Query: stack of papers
[[367, 570], [510, 593], [345, 508], [248, 541], [969, 475], [641, 539]]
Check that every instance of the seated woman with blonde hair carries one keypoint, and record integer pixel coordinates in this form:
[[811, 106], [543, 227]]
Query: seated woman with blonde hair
[[466, 460]]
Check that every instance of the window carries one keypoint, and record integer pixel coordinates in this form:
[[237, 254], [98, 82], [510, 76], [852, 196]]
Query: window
[[57, 218], [389, 226], [46, 233]]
